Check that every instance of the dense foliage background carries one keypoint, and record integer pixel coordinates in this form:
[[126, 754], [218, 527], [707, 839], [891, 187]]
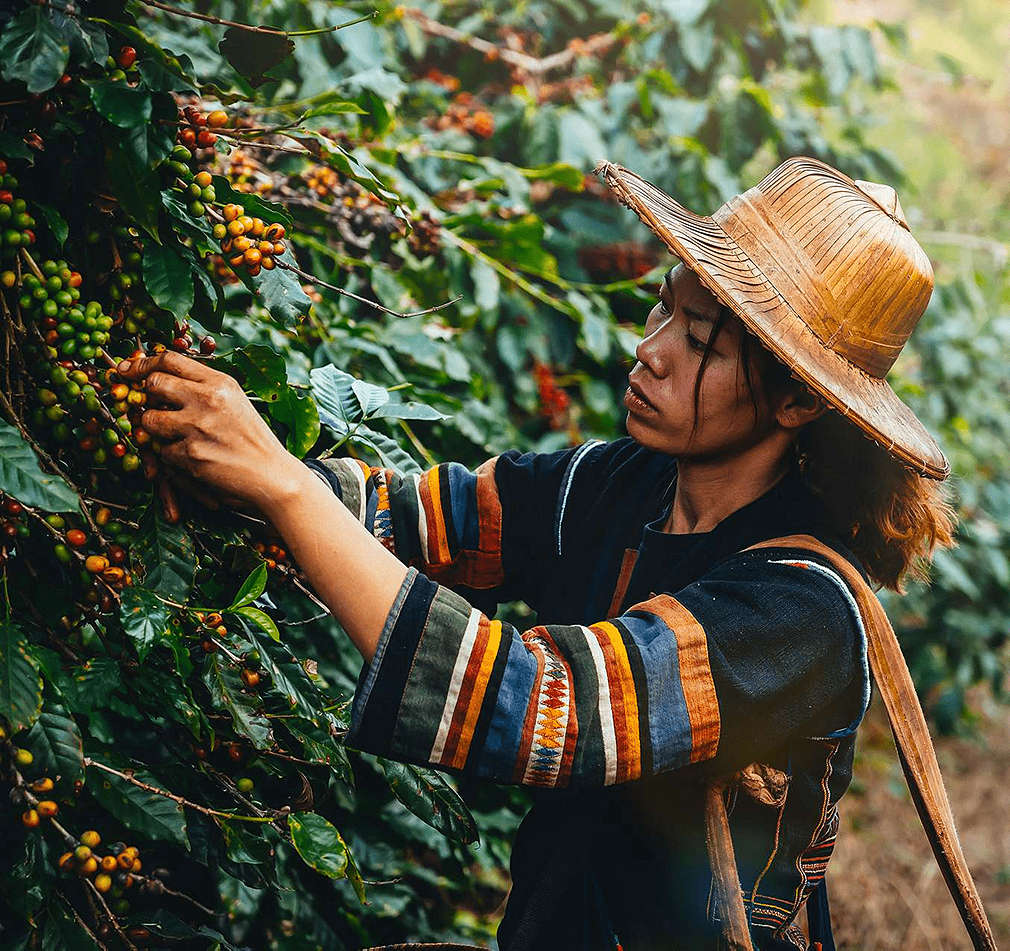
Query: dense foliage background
[[422, 156]]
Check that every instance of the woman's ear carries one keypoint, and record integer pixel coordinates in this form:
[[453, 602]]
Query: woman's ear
[[799, 406]]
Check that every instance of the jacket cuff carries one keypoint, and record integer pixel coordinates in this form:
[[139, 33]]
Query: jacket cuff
[[346, 478], [382, 681]]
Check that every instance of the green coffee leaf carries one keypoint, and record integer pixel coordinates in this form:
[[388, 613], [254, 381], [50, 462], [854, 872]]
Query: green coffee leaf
[[144, 617], [168, 279], [260, 618], [31, 50], [22, 477], [253, 586], [123, 105], [55, 741], [20, 683], [318, 843], [168, 555], [426, 794], [225, 686], [149, 814], [297, 410]]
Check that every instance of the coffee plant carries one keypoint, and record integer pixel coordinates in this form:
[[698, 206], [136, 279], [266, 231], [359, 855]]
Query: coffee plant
[[396, 262]]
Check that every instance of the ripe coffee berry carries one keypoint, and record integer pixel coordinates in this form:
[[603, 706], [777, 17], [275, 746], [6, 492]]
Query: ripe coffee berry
[[47, 808], [250, 677], [96, 564], [76, 538], [126, 57]]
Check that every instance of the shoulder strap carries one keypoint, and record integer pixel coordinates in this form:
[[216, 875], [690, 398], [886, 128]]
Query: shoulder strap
[[911, 737]]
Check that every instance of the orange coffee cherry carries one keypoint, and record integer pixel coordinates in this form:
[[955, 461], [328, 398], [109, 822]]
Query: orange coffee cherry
[[96, 563]]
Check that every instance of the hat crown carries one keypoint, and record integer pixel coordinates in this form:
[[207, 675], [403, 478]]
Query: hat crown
[[839, 253]]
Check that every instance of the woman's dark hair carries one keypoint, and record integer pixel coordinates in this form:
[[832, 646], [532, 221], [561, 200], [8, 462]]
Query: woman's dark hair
[[889, 516]]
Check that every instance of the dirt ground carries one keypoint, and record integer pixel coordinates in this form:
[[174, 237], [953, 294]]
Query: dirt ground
[[884, 886]]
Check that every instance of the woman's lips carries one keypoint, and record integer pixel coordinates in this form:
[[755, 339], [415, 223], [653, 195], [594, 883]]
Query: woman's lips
[[636, 404]]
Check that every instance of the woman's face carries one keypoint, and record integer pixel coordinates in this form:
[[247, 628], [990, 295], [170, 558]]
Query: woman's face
[[677, 331]]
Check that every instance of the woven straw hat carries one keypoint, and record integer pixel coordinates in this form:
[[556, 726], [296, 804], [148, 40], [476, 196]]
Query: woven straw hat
[[825, 271]]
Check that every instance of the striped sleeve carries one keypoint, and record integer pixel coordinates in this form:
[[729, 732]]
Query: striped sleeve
[[490, 529], [724, 669]]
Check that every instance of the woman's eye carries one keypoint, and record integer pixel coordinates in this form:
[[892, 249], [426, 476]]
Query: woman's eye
[[663, 309], [694, 343]]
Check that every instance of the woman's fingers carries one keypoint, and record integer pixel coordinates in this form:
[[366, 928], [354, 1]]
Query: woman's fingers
[[178, 391], [170, 362], [190, 486], [165, 423]]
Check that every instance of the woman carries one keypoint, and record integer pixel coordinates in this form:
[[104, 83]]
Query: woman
[[667, 653]]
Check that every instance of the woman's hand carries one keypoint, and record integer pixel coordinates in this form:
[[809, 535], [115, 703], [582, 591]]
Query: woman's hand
[[209, 429]]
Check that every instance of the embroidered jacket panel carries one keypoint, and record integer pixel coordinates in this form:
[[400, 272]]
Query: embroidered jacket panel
[[659, 659]]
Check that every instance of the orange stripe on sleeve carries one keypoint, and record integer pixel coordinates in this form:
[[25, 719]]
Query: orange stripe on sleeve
[[695, 672], [437, 520], [629, 753], [477, 695]]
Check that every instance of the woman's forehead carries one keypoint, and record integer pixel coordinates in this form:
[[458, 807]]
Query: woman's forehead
[[691, 294]]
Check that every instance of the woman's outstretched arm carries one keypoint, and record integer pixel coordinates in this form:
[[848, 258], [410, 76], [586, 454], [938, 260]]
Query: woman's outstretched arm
[[356, 576], [762, 648]]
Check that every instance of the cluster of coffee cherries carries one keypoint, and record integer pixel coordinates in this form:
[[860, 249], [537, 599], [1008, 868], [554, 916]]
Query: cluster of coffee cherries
[[246, 174], [196, 127], [194, 187], [17, 226], [425, 236], [249, 242], [210, 624], [123, 66], [183, 340], [363, 213], [38, 809], [250, 664], [68, 401], [52, 299], [108, 562], [554, 401], [464, 114], [273, 556], [114, 871], [13, 526]]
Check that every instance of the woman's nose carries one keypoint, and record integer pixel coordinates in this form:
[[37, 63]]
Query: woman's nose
[[652, 350]]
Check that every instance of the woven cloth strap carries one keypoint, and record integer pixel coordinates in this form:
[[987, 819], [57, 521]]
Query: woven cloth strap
[[915, 752]]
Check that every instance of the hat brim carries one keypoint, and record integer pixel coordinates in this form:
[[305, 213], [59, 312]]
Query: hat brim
[[727, 271]]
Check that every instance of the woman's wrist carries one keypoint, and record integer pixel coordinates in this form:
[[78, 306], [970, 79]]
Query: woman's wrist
[[284, 480]]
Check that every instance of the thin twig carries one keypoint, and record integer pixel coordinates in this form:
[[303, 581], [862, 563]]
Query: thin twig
[[265, 145], [81, 922], [289, 758], [364, 300], [529, 64], [88, 761], [272, 31], [308, 620], [95, 894], [312, 597], [157, 886]]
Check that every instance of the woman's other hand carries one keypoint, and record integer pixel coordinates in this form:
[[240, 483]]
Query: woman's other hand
[[209, 429]]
